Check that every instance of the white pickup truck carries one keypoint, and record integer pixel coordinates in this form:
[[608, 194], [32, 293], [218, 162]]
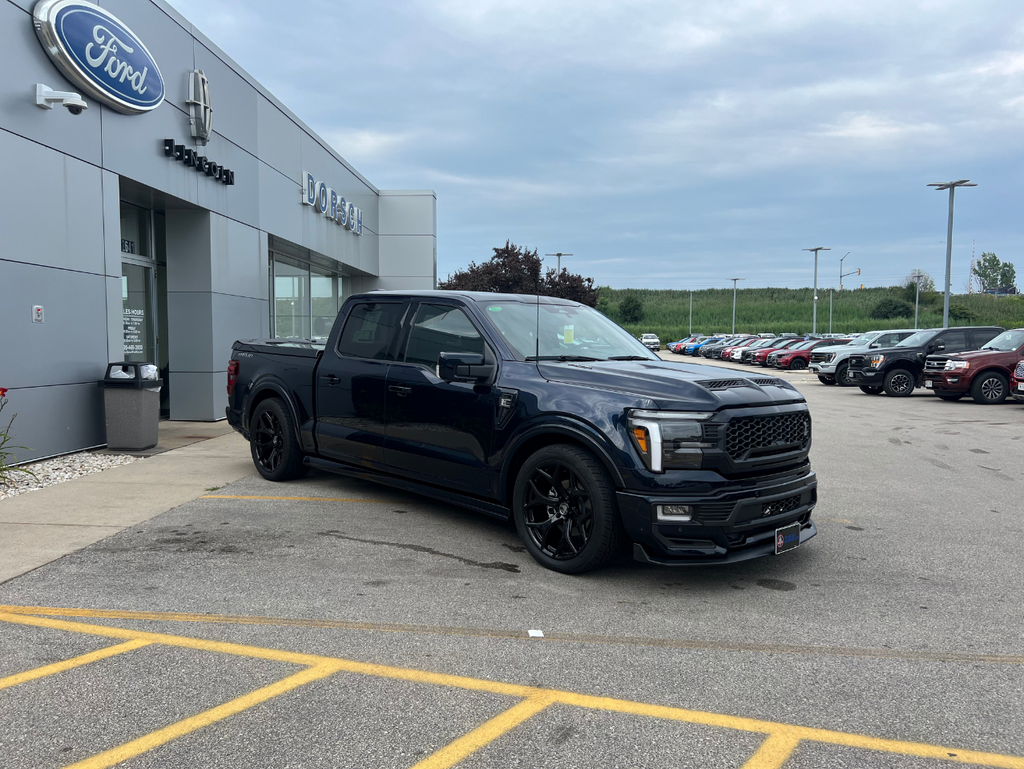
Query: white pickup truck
[[651, 342]]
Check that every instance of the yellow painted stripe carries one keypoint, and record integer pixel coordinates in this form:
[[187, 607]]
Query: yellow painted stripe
[[773, 753], [798, 733], [74, 662], [549, 637], [162, 736], [484, 734], [295, 499]]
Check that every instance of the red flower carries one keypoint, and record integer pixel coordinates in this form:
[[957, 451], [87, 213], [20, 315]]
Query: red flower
[[3, 392]]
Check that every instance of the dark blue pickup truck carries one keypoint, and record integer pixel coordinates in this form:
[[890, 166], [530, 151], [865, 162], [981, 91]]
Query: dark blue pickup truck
[[542, 410]]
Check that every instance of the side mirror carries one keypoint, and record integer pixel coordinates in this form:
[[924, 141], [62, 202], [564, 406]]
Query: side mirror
[[939, 346], [464, 367], [874, 346]]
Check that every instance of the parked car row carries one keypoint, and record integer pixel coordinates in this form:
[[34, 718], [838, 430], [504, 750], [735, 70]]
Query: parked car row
[[985, 362]]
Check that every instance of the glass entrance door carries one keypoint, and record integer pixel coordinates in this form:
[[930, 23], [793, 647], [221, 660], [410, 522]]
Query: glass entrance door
[[137, 308]]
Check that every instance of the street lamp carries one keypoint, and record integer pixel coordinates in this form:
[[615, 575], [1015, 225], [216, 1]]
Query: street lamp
[[816, 249], [734, 303], [917, 275], [951, 186], [559, 254]]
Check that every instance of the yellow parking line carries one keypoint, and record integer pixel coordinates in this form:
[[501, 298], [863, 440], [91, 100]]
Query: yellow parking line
[[295, 499], [486, 733], [74, 662], [773, 753], [159, 737], [322, 666]]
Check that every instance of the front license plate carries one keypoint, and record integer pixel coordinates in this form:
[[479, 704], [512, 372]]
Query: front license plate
[[929, 384], [787, 538]]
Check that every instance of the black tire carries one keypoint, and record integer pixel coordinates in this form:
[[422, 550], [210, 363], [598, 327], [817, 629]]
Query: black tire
[[841, 378], [868, 390], [272, 442], [826, 380], [797, 364], [564, 509], [990, 388], [950, 396], [900, 383]]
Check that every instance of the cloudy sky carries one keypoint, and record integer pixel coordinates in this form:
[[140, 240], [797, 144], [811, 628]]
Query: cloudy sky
[[671, 144]]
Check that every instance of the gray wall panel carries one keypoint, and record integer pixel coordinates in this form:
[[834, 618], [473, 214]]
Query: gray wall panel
[[278, 140], [399, 284], [199, 397], [242, 199], [111, 191], [234, 318], [240, 267], [26, 64], [51, 207], [189, 338], [133, 146], [171, 45], [70, 345], [281, 211], [56, 420], [234, 100], [408, 213], [407, 255], [188, 251]]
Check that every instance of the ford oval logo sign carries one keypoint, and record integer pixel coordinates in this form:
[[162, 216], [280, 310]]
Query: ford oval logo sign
[[100, 55]]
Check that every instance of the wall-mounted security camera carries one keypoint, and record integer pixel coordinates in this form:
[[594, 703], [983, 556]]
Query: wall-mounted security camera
[[46, 97]]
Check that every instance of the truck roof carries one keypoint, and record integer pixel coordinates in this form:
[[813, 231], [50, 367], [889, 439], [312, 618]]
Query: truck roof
[[473, 296]]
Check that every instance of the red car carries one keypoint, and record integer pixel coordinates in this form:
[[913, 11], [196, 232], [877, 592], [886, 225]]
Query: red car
[[761, 356], [983, 374], [798, 356]]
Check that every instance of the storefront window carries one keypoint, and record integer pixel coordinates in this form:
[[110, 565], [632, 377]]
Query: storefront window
[[324, 293], [291, 299], [137, 263]]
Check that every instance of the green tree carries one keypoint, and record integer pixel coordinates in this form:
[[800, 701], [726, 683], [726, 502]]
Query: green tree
[[890, 308], [994, 273], [631, 309], [927, 281], [961, 313]]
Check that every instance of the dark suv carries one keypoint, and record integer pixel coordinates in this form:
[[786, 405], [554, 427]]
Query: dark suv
[[542, 411], [984, 373], [897, 370]]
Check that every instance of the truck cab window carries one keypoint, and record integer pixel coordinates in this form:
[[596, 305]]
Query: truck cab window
[[370, 330], [955, 341], [441, 328]]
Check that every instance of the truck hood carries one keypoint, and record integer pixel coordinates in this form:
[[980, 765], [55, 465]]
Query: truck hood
[[675, 385], [840, 348], [977, 355]]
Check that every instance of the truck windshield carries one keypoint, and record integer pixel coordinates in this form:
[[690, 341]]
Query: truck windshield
[[863, 340], [1010, 340], [918, 339], [552, 331]]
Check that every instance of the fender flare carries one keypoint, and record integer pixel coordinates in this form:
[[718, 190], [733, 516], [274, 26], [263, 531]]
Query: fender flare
[[262, 385]]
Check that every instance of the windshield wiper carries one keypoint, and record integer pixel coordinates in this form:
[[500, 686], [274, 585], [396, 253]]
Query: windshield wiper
[[562, 357], [628, 357]]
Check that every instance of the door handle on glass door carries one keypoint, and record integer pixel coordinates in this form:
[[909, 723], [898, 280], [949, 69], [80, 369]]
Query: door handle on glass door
[[400, 390]]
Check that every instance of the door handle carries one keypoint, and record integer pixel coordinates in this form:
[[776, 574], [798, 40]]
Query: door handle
[[330, 379], [400, 390]]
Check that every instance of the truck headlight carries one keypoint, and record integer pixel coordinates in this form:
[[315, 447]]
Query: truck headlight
[[669, 440], [876, 361], [956, 365]]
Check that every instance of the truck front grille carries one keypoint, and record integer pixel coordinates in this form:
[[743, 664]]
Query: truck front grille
[[934, 364], [822, 357], [780, 506], [1019, 372], [750, 437]]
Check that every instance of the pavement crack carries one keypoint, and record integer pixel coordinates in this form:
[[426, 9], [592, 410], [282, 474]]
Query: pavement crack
[[500, 565]]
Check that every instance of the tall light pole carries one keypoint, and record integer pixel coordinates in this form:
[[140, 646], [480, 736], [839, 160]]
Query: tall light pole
[[691, 313], [917, 275], [951, 186], [816, 249], [559, 254], [734, 303]]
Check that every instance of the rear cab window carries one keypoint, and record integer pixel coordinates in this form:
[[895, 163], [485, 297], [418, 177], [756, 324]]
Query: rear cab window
[[370, 330]]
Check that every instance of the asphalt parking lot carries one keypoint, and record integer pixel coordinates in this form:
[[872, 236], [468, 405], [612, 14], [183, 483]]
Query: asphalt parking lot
[[333, 623]]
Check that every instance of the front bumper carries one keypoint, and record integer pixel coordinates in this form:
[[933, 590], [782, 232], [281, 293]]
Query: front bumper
[[729, 526], [822, 369], [946, 382], [866, 376]]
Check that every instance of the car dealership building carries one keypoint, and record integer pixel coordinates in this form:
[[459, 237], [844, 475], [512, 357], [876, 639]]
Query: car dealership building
[[158, 204]]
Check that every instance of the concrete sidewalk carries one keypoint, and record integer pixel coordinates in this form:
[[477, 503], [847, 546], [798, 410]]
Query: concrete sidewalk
[[40, 526]]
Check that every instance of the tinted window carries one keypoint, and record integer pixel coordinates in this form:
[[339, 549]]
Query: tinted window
[[441, 328], [983, 336], [369, 331], [954, 340], [890, 340]]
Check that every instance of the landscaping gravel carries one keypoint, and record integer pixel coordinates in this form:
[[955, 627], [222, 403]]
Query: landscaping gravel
[[66, 468]]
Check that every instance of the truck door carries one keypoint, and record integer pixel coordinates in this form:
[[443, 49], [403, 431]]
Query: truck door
[[351, 381], [440, 432]]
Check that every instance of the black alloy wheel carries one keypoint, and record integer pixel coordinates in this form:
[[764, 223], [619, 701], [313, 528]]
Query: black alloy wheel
[[841, 375], [871, 390], [564, 510], [275, 450], [990, 388], [899, 383], [797, 364]]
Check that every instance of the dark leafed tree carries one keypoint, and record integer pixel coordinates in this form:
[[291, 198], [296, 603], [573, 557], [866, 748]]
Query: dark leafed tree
[[517, 270], [994, 273], [631, 309]]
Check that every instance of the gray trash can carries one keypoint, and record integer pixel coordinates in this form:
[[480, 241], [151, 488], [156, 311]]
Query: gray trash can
[[131, 401]]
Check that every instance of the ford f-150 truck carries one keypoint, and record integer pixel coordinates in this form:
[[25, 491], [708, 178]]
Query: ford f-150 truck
[[830, 363], [540, 410], [984, 373]]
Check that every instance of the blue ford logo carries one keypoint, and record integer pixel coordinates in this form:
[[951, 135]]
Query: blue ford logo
[[98, 53]]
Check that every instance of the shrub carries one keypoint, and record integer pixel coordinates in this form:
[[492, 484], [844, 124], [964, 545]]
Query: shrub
[[962, 313], [631, 309], [7, 470], [890, 308]]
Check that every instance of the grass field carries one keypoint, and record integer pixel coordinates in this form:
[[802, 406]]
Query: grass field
[[779, 310]]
